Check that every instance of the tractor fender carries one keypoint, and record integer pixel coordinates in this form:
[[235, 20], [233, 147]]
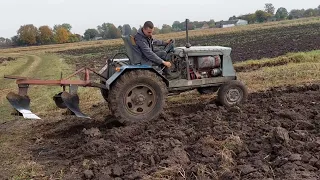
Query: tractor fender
[[126, 68]]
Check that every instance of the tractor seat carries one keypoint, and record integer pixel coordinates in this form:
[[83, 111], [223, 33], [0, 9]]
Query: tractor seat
[[129, 43]]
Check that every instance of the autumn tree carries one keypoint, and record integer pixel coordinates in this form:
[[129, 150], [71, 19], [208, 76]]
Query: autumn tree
[[28, 34], [109, 31], [62, 35], [90, 34], [113, 32], [45, 35], [269, 8]]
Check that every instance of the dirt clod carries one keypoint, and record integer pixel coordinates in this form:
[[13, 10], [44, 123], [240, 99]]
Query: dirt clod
[[88, 174], [281, 135]]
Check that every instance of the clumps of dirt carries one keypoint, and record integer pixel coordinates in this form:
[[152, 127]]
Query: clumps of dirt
[[275, 135], [3, 60]]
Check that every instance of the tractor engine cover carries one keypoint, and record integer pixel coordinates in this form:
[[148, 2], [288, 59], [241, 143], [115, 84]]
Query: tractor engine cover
[[205, 62]]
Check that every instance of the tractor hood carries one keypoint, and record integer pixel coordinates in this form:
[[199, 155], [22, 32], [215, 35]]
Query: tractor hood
[[202, 50]]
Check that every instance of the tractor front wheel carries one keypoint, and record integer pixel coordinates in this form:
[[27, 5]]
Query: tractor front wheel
[[137, 95], [232, 93]]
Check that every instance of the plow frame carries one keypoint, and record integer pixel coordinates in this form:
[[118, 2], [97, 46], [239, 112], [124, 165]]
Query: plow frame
[[21, 101]]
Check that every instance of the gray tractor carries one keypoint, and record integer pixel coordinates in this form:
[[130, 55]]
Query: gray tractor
[[138, 92]]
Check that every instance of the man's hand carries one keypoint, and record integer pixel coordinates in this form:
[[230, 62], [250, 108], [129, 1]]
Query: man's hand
[[168, 41], [166, 63]]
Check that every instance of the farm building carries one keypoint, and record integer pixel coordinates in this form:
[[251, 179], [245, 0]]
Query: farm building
[[231, 23]]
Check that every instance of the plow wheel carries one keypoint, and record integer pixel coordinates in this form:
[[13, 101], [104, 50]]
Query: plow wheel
[[137, 95]]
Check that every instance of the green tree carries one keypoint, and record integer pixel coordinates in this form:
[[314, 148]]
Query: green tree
[[156, 30], [126, 29], [269, 8], [66, 26], [73, 38], [2, 40], [232, 18], [251, 18], [89, 34], [103, 30], [262, 16], [309, 13], [296, 13], [211, 23], [166, 29], [134, 31], [16, 41], [176, 26], [28, 34], [282, 13]]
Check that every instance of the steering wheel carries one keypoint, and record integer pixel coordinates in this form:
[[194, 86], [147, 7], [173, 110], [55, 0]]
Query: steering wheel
[[170, 47]]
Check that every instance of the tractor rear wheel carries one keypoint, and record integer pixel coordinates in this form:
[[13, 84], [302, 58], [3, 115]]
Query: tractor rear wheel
[[232, 93], [137, 95]]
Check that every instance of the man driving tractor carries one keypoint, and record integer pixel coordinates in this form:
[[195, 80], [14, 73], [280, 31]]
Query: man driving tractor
[[150, 56]]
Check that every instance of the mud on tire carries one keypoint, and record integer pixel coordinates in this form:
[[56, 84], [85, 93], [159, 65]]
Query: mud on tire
[[232, 93], [137, 95]]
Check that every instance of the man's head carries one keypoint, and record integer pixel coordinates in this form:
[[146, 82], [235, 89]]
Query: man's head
[[148, 28]]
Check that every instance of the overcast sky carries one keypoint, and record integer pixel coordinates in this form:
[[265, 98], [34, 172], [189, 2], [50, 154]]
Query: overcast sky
[[84, 14]]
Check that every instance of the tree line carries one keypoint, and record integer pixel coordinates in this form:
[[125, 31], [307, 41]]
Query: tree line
[[31, 35], [270, 14]]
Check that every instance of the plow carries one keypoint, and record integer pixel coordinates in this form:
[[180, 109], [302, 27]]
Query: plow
[[136, 91], [64, 99]]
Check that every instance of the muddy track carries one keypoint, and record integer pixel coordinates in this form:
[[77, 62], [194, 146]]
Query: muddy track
[[274, 135]]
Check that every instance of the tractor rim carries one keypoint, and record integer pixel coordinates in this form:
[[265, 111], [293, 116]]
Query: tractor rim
[[140, 99], [234, 95]]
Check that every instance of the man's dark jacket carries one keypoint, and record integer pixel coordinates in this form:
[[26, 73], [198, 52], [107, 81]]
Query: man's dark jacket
[[144, 47]]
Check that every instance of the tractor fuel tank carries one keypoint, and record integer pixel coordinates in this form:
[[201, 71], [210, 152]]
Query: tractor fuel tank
[[208, 62]]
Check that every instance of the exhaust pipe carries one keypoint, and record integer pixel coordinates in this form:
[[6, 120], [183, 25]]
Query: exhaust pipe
[[188, 45]]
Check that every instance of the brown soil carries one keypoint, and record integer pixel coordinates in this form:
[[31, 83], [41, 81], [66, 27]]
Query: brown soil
[[4, 59], [274, 135], [257, 44]]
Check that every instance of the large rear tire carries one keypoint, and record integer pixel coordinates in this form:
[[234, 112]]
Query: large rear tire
[[232, 93], [138, 95]]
